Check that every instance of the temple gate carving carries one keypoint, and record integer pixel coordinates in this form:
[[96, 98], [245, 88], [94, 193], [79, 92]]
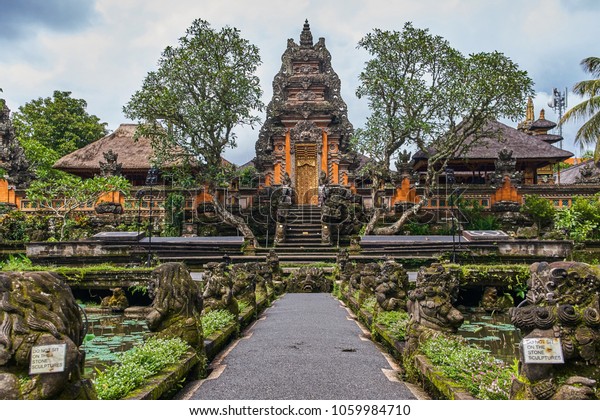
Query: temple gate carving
[[306, 132]]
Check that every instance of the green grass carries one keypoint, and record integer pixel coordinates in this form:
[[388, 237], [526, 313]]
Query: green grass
[[319, 264], [135, 366], [395, 323], [216, 321], [20, 262], [242, 306], [369, 304], [472, 367]]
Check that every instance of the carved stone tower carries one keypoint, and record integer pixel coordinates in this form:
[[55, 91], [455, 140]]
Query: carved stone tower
[[306, 132]]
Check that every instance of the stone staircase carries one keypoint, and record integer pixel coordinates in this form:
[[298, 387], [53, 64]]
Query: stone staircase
[[303, 235]]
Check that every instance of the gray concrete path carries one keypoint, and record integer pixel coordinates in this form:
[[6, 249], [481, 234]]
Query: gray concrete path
[[305, 347]]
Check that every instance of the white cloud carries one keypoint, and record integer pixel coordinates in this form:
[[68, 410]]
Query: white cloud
[[106, 61]]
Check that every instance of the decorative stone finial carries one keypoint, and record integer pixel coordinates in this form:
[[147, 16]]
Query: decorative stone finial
[[543, 114], [529, 112], [306, 39]]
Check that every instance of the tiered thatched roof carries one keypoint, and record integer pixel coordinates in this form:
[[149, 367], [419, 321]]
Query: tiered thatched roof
[[134, 155], [527, 149]]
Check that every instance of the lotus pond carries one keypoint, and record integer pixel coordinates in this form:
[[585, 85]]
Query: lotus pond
[[108, 335], [492, 332]]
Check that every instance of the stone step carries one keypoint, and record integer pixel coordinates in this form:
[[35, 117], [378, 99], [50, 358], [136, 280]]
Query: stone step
[[303, 235], [316, 211], [304, 240], [303, 230], [304, 244], [295, 218], [304, 214]]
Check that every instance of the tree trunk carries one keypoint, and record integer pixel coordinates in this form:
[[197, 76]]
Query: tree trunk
[[378, 211], [393, 229], [374, 218], [63, 227], [233, 220]]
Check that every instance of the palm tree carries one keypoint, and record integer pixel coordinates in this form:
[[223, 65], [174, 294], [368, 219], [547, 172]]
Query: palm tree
[[589, 133]]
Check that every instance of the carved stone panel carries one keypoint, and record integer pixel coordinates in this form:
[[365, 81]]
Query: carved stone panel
[[306, 132]]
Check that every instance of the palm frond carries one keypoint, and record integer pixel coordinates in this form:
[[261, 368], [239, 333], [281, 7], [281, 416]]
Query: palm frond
[[587, 87], [589, 132], [583, 110], [591, 65]]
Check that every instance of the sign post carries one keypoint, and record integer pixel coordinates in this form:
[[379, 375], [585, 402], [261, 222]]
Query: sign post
[[542, 350], [48, 359]]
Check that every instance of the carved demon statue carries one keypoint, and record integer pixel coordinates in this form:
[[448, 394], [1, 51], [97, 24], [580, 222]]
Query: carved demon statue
[[562, 303], [272, 274], [366, 282], [218, 289], [345, 268], [391, 286], [310, 280], [246, 277], [430, 305], [38, 309], [176, 305]]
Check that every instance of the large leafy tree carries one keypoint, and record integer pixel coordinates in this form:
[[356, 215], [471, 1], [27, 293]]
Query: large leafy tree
[[202, 90], [64, 197], [589, 133], [425, 95], [49, 128]]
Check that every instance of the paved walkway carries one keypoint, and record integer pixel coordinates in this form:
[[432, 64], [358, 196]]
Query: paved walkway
[[305, 347]]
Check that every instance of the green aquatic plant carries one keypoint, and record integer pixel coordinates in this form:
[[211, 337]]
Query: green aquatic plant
[[109, 336]]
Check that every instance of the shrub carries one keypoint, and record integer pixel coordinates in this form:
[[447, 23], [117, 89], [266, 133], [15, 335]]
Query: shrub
[[369, 304], [174, 214], [473, 217], [416, 228], [134, 366], [242, 306], [21, 227], [539, 209], [581, 221]]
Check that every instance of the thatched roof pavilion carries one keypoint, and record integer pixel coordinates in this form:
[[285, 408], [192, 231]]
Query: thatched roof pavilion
[[134, 155], [530, 151]]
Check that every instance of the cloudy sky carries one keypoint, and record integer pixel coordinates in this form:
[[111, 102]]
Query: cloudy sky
[[102, 49]]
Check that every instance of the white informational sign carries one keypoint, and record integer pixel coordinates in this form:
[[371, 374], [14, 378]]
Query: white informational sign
[[48, 359], [542, 350]]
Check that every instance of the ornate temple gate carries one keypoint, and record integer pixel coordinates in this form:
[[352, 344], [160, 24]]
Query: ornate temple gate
[[307, 177], [306, 132]]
